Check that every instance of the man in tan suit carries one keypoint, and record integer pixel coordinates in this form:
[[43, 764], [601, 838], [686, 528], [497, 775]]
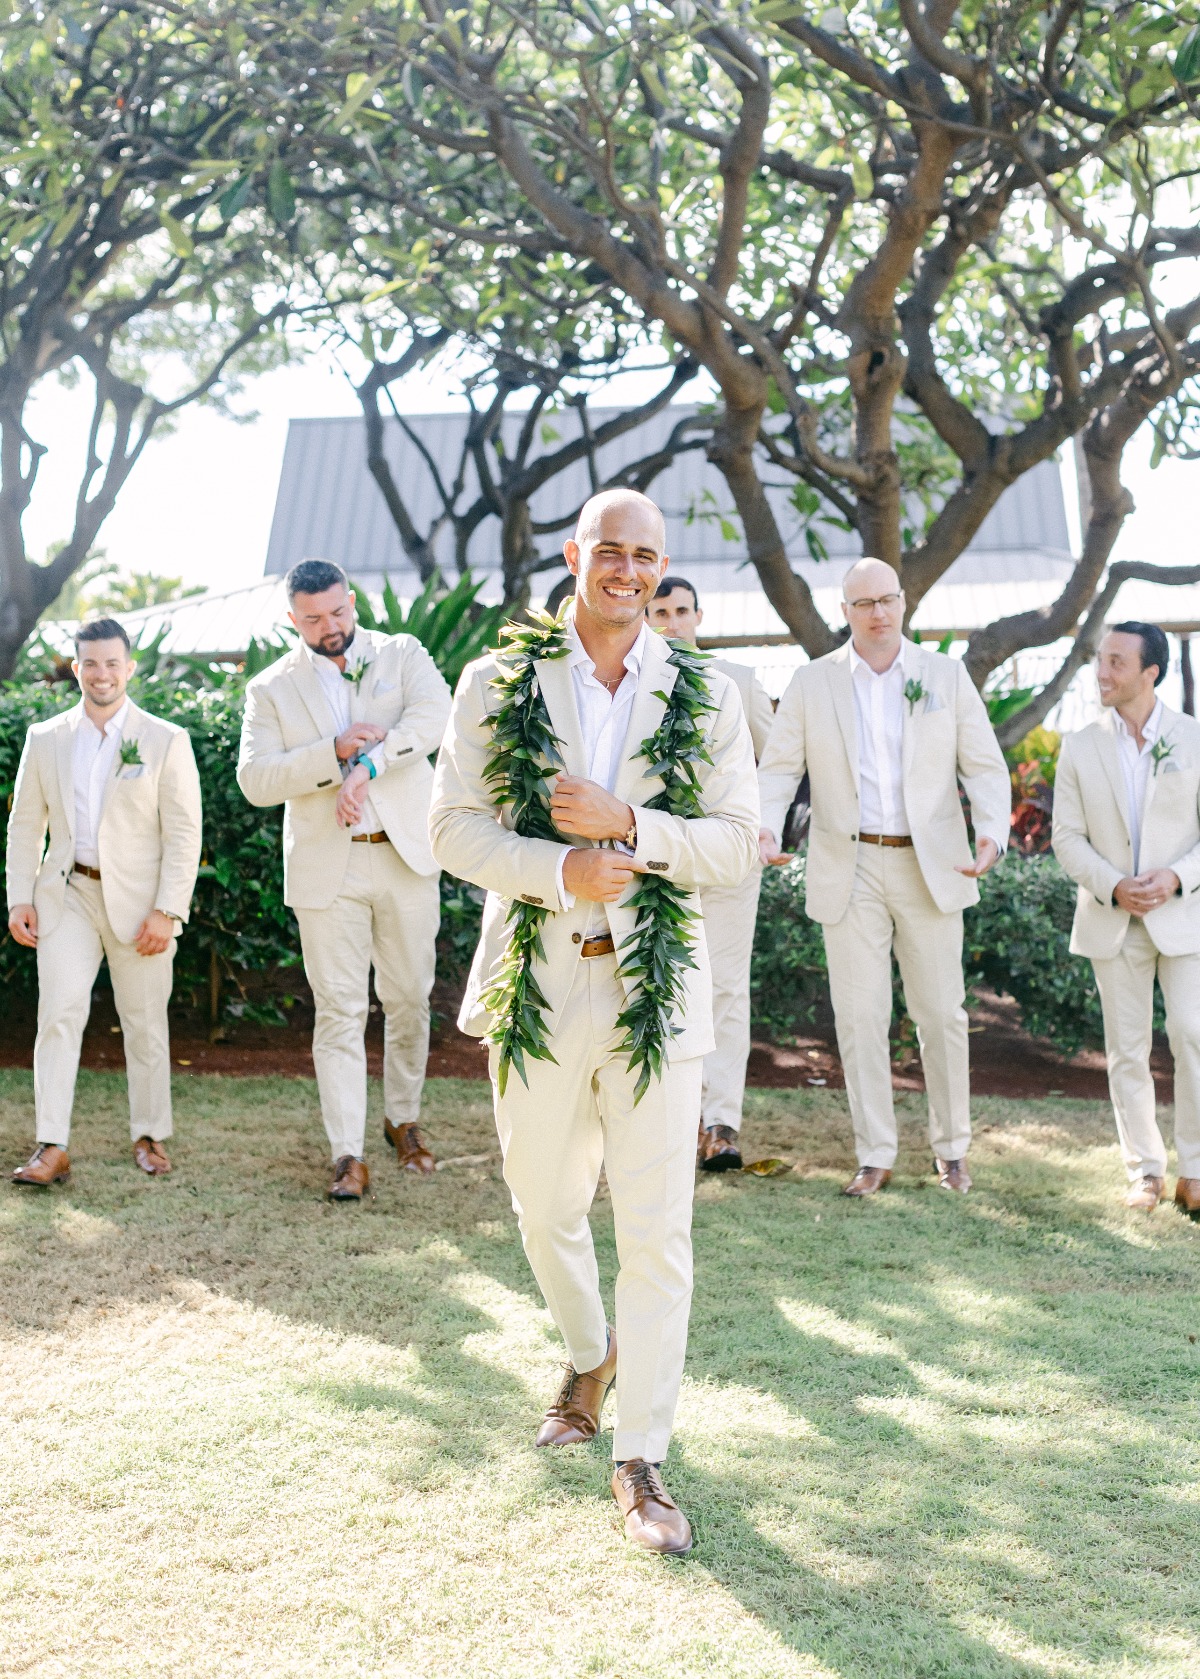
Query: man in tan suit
[[339, 731], [729, 911], [119, 792], [1127, 830], [886, 731], [604, 698]]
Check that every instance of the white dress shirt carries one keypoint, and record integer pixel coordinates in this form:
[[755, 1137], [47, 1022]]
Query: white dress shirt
[[95, 760], [1136, 763], [340, 693], [604, 723], [879, 710]]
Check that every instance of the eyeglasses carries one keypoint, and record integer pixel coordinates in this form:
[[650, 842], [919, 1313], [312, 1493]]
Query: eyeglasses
[[887, 601]]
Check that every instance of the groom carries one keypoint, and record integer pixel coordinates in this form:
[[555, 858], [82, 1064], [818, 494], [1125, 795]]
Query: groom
[[579, 1110]]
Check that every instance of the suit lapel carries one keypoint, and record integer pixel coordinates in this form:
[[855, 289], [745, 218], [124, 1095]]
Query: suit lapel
[[911, 665], [130, 731], [1109, 754], [558, 690], [1152, 780], [841, 681], [655, 681], [64, 755], [308, 686]]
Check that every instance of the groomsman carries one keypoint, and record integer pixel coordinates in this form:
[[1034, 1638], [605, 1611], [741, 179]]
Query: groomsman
[[886, 731], [729, 911], [339, 731], [1127, 830], [119, 793], [577, 1113]]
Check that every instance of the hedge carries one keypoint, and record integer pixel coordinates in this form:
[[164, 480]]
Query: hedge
[[1016, 943], [241, 954]]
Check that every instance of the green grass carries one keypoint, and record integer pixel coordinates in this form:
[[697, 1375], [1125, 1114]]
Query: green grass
[[244, 1432]]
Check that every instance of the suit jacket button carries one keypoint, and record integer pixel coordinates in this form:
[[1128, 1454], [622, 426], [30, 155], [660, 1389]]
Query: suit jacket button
[[854, 836], [576, 938]]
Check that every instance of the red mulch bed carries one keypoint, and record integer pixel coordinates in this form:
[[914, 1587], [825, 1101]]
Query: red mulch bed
[[1005, 1060]]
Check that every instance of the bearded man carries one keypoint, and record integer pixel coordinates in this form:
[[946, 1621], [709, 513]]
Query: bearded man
[[592, 883]]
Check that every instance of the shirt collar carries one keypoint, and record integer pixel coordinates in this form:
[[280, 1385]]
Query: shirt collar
[[115, 724], [1151, 731], [579, 657], [857, 663]]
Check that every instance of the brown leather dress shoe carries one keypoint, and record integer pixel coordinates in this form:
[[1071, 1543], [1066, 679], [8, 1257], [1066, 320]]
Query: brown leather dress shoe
[[411, 1150], [652, 1517], [718, 1150], [1187, 1195], [575, 1414], [1146, 1192], [150, 1157], [952, 1174], [46, 1165], [350, 1179], [867, 1180]]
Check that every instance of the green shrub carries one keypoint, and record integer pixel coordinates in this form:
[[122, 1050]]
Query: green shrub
[[1016, 943]]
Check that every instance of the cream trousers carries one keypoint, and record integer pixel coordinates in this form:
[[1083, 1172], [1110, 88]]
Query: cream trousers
[[68, 960], [574, 1117], [890, 907], [729, 916], [1126, 986], [386, 917]]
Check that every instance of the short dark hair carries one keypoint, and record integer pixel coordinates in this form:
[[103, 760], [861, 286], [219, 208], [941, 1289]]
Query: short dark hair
[[669, 584], [101, 629], [313, 577], [1155, 648]]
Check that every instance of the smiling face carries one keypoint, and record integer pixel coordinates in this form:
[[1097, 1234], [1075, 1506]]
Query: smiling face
[[102, 670], [676, 615], [1122, 681], [618, 560], [326, 621]]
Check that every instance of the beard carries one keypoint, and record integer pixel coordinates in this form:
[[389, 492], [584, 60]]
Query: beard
[[333, 646]]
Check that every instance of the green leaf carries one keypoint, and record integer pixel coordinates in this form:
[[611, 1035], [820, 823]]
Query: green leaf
[[182, 242], [861, 175], [359, 88], [234, 197], [281, 194], [1187, 59]]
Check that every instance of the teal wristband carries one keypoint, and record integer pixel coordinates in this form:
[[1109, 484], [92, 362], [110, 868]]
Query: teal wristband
[[361, 758]]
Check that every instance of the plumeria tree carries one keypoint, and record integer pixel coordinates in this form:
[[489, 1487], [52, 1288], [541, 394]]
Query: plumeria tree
[[144, 214], [916, 249]]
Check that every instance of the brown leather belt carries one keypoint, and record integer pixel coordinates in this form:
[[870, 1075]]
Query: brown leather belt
[[886, 839], [379, 838], [601, 945], [84, 868]]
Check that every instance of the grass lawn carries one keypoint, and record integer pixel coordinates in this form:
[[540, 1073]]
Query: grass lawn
[[244, 1432]]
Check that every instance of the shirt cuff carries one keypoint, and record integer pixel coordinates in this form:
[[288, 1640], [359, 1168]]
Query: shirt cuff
[[566, 900], [1000, 841]]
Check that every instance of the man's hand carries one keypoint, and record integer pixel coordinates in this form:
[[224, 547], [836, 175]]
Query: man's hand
[[22, 924], [357, 738], [769, 853], [584, 808], [1140, 893], [348, 809], [599, 876], [987, 854], [155, 934]]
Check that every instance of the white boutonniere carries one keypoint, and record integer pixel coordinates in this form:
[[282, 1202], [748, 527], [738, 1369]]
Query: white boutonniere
[[355, 673], [913, 693], [1160, 752], [130, 756]]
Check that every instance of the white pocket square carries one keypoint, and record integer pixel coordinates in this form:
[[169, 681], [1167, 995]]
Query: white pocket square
[[1169, 767], [934, 702], [385, 688], [132, 771]]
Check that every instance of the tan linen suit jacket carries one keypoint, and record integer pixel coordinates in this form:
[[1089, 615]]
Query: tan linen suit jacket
[[149, 834], [287, 757], [1091, 837], [947, 738], [756, 702], [475, 841]]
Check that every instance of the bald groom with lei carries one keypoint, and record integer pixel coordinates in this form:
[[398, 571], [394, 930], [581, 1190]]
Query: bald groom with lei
[[594, 778]]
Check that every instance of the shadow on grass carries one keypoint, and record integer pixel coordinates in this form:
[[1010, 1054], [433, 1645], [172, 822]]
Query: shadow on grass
[[923, 1438]]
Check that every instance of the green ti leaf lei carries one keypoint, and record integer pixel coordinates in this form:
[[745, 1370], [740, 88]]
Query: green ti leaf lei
[[526, 753]]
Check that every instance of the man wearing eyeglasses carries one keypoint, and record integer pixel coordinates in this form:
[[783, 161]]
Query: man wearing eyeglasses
[[886, 731]]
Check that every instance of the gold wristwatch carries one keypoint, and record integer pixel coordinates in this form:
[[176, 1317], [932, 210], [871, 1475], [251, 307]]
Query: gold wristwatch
[[631, 836]]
